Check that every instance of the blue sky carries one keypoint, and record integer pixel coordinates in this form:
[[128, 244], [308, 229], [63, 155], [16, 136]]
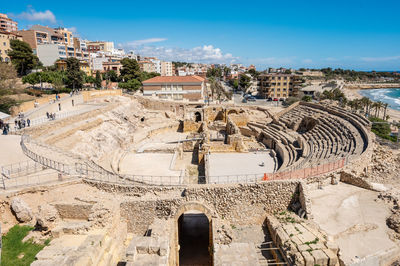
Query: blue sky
[[354, 34]]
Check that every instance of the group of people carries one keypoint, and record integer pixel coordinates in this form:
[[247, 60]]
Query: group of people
[[20, 122], [4, 127], [51, 116]]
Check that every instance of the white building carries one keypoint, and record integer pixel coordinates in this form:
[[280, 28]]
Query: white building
[[49, 53], [157, 65]]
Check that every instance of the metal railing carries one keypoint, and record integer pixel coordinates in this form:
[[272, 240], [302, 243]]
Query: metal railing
[[93, 172], [21, 168], [34, 180]]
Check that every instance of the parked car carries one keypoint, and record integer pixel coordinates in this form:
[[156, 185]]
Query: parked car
[[269, 99], [244, 100], [275, 99], [282, 99], [251, 99]]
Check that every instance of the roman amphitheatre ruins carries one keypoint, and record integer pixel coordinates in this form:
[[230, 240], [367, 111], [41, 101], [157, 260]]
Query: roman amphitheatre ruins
[[130, 180]]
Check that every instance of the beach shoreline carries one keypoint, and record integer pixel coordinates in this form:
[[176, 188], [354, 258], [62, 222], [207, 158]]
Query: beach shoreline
[[354, 93]]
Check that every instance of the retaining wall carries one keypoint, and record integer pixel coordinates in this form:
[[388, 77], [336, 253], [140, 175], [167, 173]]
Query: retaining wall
[[239, 204]]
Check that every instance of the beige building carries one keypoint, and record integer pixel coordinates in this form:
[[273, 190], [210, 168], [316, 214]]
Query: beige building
[[99, 46], [7, 24], [167, 69], [278, 85], [67, 35], [147, 66], [189, 88], [5, 38], [114, 66]]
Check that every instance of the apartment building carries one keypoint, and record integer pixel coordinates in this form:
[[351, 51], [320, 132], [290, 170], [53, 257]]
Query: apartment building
[[188, 88], [114, 66], [5, 38], [7, 24], [167, 69], [100, 46], [38, 35], [147, 66], [80, 47], [278, 85]]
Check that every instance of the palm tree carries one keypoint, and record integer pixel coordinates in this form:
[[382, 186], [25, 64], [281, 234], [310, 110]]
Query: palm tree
[[385, 105], [365, 102], [369, 107], [379, 106], [375, 105]]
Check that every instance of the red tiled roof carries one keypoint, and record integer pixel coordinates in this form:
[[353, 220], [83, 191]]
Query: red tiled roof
[[174, 79]]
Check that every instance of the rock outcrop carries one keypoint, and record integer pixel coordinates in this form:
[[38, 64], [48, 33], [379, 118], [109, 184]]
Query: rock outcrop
[[21, 210]]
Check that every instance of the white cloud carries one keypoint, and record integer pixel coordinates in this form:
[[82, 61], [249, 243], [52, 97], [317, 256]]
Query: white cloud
[[33, 15], [274, 61], [307, 61], [145, 41], [380, 59], [331, 59], [201, 54], [74, 30]]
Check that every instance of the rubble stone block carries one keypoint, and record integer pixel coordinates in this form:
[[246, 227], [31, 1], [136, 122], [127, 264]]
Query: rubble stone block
[[320, 257], [308, 258], [333, 259]]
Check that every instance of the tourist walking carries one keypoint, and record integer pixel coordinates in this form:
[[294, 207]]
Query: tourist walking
[[29, 122]]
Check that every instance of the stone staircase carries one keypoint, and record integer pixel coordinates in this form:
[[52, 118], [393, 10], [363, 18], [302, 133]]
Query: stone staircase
[[96, 247], [268, 254], [147, 250]]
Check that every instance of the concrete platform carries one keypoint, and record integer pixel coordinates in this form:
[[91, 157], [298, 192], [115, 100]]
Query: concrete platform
[[353, 217], [222, 164]]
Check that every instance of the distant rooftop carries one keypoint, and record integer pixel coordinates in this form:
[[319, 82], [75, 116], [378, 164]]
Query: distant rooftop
[[174, 79]]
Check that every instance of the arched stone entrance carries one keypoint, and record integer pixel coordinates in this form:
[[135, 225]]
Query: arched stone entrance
[[193, 234]]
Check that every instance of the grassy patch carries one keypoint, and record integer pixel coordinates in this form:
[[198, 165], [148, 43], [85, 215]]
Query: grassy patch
[[16, 253], [382, 130]]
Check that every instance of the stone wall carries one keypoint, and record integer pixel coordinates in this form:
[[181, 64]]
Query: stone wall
[[305, 200], [29, 105], [191, 126], [89, 95], [352, 179], [79, 211], [238, 204]]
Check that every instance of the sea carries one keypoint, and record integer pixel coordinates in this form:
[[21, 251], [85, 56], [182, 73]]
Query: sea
[[389, 96]]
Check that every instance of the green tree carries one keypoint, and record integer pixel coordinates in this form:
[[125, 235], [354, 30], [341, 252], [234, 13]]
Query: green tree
[[22, 57], [91, 80], [6, 103], [32, 78], [148, 75], [214, 72], [74, 75], [111, 76], [244, 82], [306, 98], [131, 85], [97, 82], [130, 69]]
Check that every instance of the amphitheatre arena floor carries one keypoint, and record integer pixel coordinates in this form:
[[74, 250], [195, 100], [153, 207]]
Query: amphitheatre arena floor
[[241, 163], [355, 219]]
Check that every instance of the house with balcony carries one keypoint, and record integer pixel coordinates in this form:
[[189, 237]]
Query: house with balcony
[[278, 85]]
